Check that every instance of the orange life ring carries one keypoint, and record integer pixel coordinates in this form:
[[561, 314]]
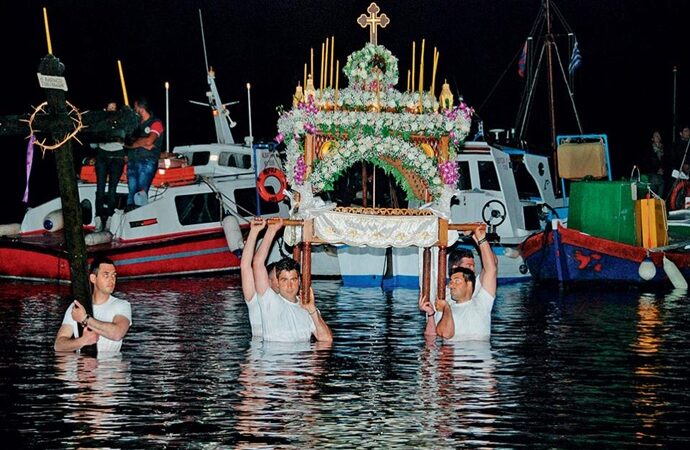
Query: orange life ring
[[261, 184], [677, 198]]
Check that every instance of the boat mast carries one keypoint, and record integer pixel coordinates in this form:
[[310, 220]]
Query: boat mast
[[221, 115], [549, 78]]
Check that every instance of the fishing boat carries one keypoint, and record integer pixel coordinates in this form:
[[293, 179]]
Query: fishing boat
[[200, 199], [616, 233]]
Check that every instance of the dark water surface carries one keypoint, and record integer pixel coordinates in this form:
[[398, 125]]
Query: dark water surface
[[564, 369]]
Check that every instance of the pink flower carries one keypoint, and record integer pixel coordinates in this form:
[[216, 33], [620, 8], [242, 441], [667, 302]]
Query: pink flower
[[279, 138]]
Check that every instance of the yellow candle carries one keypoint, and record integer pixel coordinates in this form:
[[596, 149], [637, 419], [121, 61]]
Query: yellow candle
[[408, 80], [421, 69], [325, 65], [311, 68], [337, 75], [305, 75], [433, 73], [414, 54], [45, 23], [330, 79], [322, 56], [122, 82]]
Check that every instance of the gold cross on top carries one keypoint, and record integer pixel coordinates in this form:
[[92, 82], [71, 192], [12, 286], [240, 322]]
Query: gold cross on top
[[373, 21]]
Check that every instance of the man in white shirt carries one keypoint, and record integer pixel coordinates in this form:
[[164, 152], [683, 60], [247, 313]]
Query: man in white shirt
[[246, 271], [283, 316], [467, 315], [111, 318]]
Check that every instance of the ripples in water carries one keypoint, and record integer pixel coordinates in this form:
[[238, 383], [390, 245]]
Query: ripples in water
[[563, 369]]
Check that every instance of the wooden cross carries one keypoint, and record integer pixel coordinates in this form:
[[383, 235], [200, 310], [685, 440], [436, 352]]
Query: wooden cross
[[373, 21], [57, 123]]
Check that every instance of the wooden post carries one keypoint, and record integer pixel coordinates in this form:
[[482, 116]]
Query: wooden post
[[442, 261], [365, 180], [307, 237], [67, 180], [426, 272], [309, 144], [443, 148]]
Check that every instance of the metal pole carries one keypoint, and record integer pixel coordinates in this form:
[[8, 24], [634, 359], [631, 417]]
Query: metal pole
[[673, 130], [249, 106], [167, 117]]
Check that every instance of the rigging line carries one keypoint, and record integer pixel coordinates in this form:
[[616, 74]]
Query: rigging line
[[224, 198], [493, 89], [570, 92], [561, 17], [530, 97], [537, 25]]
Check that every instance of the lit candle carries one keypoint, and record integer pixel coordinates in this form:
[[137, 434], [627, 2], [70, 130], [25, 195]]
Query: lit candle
[[421, 68], [325, 65], [421, 77], [321, 73], [414, 55], [433, 73], [45, 23], [122, 82], [330, 79], [337, 74]]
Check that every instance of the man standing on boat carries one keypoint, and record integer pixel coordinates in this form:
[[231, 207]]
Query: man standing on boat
[[246, 271], [111, 319], [142, 158], [467, 315], [110, 162], [283, 316]]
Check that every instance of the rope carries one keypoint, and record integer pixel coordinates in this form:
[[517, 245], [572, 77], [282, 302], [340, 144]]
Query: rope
[[570, 92]]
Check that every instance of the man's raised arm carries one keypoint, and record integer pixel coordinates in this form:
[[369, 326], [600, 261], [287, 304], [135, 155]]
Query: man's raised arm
[[261, 281]]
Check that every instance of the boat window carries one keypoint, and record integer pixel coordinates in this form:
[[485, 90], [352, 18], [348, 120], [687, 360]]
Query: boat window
[[526, 186], [488, 178], [464, 182], [238, 160], [198, 208], [200, 158], [246, 202]]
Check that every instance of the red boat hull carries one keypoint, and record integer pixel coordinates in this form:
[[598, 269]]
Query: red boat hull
[[42, 257]]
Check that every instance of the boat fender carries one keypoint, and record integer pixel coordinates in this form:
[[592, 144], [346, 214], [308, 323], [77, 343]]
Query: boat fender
[[233, 235], [647, 269], [53, 221], [261, 184], [10, 229], [99, 237], [674, 274]]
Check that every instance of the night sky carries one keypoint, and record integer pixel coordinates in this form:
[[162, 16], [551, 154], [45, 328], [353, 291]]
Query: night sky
[[624, 87]]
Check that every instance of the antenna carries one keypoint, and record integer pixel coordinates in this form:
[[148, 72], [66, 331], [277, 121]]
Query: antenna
[[203, 40]]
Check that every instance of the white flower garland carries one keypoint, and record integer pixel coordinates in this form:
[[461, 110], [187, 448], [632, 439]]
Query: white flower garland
[[364, 71]]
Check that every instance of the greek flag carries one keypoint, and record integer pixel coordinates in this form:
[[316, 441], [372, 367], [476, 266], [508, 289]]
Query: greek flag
[[575, 59]]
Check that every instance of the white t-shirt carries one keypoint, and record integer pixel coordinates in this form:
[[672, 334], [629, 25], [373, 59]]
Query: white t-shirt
[[438, 314], [284, 321], [105, 312], [472, 319], [254, 315]]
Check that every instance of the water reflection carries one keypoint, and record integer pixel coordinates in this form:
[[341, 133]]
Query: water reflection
[[91, 392], [564, 368], [279, 389], [458, 377]]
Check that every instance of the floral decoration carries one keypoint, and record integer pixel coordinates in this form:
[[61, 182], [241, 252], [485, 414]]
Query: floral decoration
[[365, 124], [372, 68]]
